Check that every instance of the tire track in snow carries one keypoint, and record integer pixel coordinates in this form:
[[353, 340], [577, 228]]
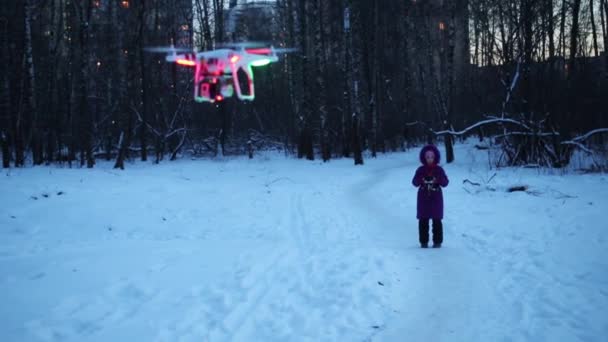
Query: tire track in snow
[[259, 283], [238, 321], [289, 275], [314, 287], [275, 280], [299, 224], [382, 224]]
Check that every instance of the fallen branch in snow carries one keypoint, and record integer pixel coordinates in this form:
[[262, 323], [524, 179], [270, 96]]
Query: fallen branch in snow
[[483, 123], [579, 145], [535, 134], [470, 182], [534, 193], [561, 195], [112, 173], [517, 188], [479, 190], [486, 184], [531, 142], [556, 194], [278, 180], [589, 134], [577, 141]]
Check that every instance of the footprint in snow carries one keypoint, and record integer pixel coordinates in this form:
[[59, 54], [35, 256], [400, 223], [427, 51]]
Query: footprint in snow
[[38, 276], [46, 195]]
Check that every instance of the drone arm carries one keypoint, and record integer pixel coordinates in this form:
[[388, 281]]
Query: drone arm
[[183, 59], [174, 57]]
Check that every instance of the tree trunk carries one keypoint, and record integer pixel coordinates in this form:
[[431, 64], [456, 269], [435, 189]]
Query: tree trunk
[[346, 86], [224, 126], [375, 79], [562, 28], [574, 31], [218, 8], [86, 128], [179, 146], [593, 28], [550, 28], [35, 140], [6, 153], [356, 143], [144, 84], [604, 16], [355, 60], [5, 98], [122, 151], [305, 147], [527, 20], [319, 13], [449, 141], [603, 27]]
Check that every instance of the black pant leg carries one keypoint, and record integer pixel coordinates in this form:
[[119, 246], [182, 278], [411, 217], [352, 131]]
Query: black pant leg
[[437, 231], [423, 231]]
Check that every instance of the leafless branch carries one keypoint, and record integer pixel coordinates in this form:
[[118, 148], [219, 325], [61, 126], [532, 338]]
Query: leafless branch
[[470, 182], [587, 135], [579, 145], [492, 120]]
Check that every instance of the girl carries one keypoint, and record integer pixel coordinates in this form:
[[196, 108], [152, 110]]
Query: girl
[[429, 179]]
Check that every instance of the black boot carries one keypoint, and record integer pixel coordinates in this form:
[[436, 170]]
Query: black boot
[[437, 233], [423, 233]]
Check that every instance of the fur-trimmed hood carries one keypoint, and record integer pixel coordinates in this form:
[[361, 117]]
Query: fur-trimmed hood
[[427, 148]]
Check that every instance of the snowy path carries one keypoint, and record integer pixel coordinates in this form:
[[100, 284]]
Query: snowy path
[[284, 250]]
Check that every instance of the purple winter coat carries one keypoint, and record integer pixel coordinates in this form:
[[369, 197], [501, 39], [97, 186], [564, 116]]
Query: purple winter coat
[[430, 202]]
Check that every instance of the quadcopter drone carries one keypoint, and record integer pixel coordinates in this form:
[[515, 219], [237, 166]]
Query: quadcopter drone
[[219, 74]]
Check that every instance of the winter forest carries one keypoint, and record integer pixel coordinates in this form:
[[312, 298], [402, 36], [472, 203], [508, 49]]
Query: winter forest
[[303, 170], [528, 76]]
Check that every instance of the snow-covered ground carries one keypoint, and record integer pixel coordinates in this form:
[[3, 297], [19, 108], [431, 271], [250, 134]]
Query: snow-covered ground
[[276, 249]]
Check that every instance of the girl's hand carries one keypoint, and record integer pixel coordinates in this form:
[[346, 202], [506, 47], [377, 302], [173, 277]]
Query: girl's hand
[[418, 179], [443, 179], [430, 180]]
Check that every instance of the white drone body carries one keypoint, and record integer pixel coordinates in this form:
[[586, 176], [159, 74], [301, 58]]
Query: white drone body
[[217, 72]]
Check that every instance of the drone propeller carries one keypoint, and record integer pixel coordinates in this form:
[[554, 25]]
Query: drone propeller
[[243, 45], [254, 45], [284, 50], [269, 50], [167, 49]]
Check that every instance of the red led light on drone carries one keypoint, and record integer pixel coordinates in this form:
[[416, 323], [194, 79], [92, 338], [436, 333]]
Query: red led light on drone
[[260, 51], [219, 98], [186, 62]]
